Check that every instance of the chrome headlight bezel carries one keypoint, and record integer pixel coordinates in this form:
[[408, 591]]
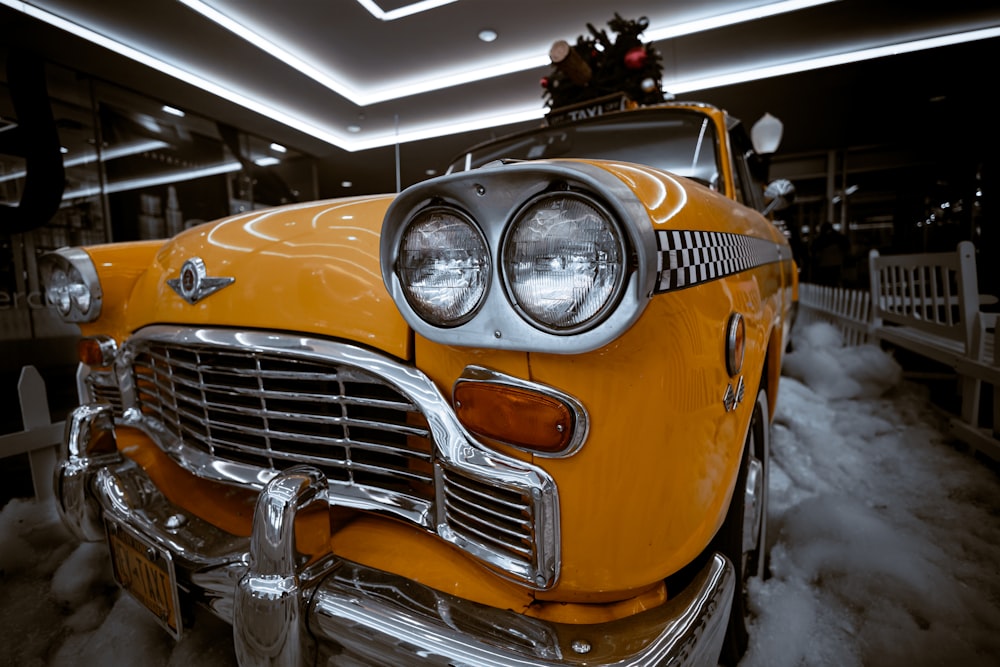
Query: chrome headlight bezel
[[492, 197], [71, 284]]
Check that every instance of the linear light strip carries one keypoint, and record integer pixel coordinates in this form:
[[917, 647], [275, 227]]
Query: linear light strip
[[731, 18], [151, 181], [365, 96], [451, 126], [781, 69], [691, 85], [448, 126], [407, 10], [112, 153], [274, 113], [272, 49]]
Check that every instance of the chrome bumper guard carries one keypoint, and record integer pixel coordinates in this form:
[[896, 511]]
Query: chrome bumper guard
[[289, 608]]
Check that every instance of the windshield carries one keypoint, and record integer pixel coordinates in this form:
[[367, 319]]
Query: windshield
[[679, 141]]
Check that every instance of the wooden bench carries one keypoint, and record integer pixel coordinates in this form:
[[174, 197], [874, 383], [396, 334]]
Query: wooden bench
[[929, 303]]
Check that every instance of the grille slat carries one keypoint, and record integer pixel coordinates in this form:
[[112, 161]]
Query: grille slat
[[220, 410], [269, 411], [165, 382], [495, 517], [482, 533], [461, 504]]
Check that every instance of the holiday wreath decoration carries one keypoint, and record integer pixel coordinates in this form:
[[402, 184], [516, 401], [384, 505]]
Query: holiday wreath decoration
[[599, 66]]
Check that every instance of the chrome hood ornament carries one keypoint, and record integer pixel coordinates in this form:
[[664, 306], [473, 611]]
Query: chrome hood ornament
[[194, 283]]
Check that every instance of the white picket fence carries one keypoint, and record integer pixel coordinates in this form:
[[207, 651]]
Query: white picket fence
[[848, 310], [40, 437], [927, 303]]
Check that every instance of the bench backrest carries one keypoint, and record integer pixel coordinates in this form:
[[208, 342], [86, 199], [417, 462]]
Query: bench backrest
[[932, 292]]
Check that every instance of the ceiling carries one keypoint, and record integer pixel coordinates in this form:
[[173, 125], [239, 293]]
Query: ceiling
[[386, 91]]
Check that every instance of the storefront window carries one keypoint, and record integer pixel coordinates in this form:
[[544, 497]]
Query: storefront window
[[135, 169]]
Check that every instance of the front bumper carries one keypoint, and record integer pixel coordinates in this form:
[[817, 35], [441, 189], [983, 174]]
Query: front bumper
[[293, 608]]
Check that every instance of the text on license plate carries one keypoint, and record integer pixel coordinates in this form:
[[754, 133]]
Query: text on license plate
[[146, 572]]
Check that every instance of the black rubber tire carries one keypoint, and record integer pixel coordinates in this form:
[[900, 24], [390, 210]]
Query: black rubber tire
[[729, 540]]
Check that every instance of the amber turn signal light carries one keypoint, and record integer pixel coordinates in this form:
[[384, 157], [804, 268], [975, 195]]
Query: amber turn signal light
[[514, 415], [97, 351]]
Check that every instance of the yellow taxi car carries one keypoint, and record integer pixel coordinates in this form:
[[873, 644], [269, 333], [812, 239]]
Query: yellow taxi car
[[515, 415]]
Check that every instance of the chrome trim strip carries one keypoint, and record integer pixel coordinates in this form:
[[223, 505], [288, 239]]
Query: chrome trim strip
[[581, 419], [454, 448], [367, 617]]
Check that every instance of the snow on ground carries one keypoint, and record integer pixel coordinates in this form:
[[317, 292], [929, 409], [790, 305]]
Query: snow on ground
[[886, 539], [885, 543]]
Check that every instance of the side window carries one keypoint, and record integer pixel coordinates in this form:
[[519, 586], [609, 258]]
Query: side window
[[739, 178], [748, 175]]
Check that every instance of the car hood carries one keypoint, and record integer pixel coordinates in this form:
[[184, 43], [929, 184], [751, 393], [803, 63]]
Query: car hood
[[311, 268]]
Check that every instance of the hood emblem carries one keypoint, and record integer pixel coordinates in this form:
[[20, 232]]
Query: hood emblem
[[194, 283]]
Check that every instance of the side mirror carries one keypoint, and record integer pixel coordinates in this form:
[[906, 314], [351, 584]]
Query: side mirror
[[779, 194], [766, 134]]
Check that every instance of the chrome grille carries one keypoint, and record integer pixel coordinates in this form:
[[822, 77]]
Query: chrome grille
[[236, 405], [274, 410], [103, 388], [500, 520]]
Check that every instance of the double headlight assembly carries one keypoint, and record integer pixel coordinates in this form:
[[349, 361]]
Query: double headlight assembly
[[539, 257], [71, 285]]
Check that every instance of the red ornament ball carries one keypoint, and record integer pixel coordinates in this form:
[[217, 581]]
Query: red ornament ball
[[544, 82], [635, 58]]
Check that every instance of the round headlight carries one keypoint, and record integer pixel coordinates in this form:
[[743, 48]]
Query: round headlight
[[71, 284], [443, 266], [66, 289], [57, 291], [564, 262]]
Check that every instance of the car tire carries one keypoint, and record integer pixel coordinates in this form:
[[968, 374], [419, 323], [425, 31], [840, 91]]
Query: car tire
[[743, 535]]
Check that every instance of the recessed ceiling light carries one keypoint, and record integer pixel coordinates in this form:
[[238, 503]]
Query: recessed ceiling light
[[354, 128], [266, 161], [431, 172], [488, 35], [278, 148], [346, 184], [173, 111]]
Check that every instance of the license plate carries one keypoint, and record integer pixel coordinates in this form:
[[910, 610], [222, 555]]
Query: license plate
[[146, 572]]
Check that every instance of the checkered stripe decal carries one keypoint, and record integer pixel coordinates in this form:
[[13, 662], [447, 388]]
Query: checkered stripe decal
[[686, 258]]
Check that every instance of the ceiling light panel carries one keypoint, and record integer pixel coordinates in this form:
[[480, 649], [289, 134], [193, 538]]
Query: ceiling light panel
[[424, 115], [365, 93], [410, 9]]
